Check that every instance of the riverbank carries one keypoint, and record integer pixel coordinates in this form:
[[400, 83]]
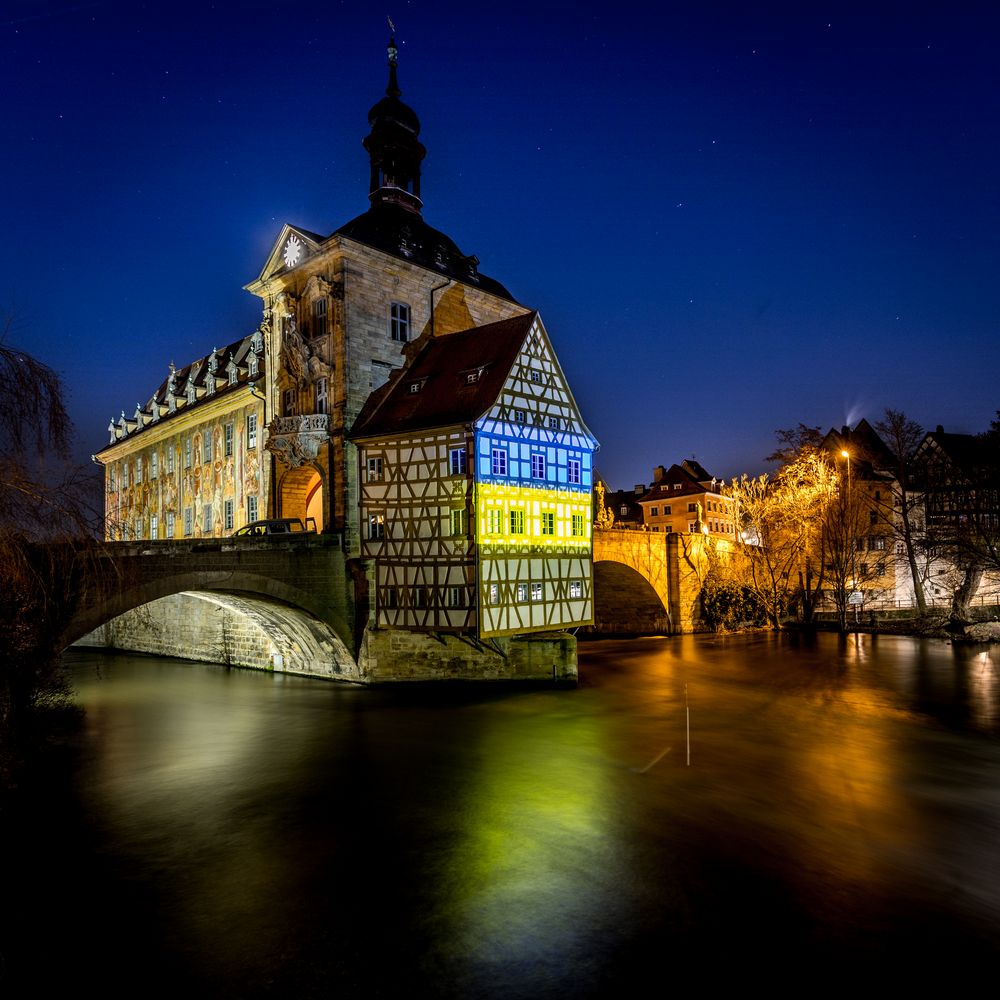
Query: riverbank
[[929, 627]]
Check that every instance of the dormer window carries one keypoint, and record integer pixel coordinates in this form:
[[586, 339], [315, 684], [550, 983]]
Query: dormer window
[[232, 371], [257, 342], [253, 364], [192, 393], [415, 387], [213, 362], [172, 403], [536, 377], [471, 377]]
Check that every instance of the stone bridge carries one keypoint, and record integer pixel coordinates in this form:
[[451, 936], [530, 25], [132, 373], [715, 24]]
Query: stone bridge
[[278, 605], [645, 581], [291, 605]]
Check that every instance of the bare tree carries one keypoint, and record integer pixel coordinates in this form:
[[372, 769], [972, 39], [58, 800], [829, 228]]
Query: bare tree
[[779, 531], [901, 436]]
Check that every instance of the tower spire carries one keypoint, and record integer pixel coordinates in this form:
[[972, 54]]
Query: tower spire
[[393, 148]]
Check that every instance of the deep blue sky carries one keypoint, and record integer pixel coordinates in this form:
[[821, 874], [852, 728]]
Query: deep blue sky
[[731, 218]]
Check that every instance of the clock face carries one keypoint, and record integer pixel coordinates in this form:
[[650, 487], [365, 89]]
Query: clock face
[[293, 251]]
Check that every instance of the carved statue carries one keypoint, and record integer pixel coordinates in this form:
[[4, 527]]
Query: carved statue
[[605, 517]]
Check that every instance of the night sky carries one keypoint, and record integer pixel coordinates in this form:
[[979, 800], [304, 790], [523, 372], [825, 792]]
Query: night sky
[[731, 219]]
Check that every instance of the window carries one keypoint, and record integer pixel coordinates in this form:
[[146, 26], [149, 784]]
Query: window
[[872, 517], [459, 522], [228, 440], [154, 526], [863, 569], [537, 466], [171, 525], [548, 523], [252, 433], [573, 471], [553, 423], [494, 593], [692, 527], [399, 321], [668, 528], [252, 362], [536, 377], [391, 598], [536, 591], [227, 514], [666, 511], [876, 543], [233, 372], [288, 403], [456, 461], [522, 592], [415, 387], [692, 508], [376, 526], [374, 470], [880, 569], [321, 401], [319, 320], [494, 521], [576, 588], [170, 458], [578, 525], [112, 479], [252, 508], [207, 447], [499, 462], [138, 471], [654, 511], [154, 465], [456, 597], [187, 453], [208, 518], [471, 377], [188, 522], [420, 597], [517, 522], [520, 417]]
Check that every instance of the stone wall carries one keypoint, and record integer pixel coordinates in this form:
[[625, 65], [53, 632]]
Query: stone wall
[[395, 655]]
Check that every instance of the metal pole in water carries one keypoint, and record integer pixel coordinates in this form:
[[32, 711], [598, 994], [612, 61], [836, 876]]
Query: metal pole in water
[[687, 714]]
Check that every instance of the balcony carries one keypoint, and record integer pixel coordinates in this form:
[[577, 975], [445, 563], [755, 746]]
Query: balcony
[[297, 440]]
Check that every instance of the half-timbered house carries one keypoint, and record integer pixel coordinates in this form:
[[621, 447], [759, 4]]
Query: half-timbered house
[[476, 470]]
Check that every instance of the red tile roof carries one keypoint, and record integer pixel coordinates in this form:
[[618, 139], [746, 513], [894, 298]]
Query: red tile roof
[[445, 396]]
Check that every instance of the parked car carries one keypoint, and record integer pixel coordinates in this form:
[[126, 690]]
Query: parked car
[[278, 527]]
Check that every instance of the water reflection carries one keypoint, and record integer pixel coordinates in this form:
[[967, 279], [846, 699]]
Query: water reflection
[[252, 835]]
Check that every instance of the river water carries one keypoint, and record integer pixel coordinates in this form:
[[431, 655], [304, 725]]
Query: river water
[[755, 811]]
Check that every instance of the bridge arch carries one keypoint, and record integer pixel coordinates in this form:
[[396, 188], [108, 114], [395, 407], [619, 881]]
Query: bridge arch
[[301, 493], [625, 600], [237, 629], [295, 592]]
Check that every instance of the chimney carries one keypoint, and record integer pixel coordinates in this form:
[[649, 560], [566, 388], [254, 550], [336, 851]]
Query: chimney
[[658, 473], [939, 429]]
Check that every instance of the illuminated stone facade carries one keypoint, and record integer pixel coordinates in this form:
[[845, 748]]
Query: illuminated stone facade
[[189, 463], [686, 499]]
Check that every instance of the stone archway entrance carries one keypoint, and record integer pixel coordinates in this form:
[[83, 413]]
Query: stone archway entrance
[[301, 494]]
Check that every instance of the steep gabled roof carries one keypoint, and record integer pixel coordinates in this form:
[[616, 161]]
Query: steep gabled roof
[[441, 371], [676, 482]]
